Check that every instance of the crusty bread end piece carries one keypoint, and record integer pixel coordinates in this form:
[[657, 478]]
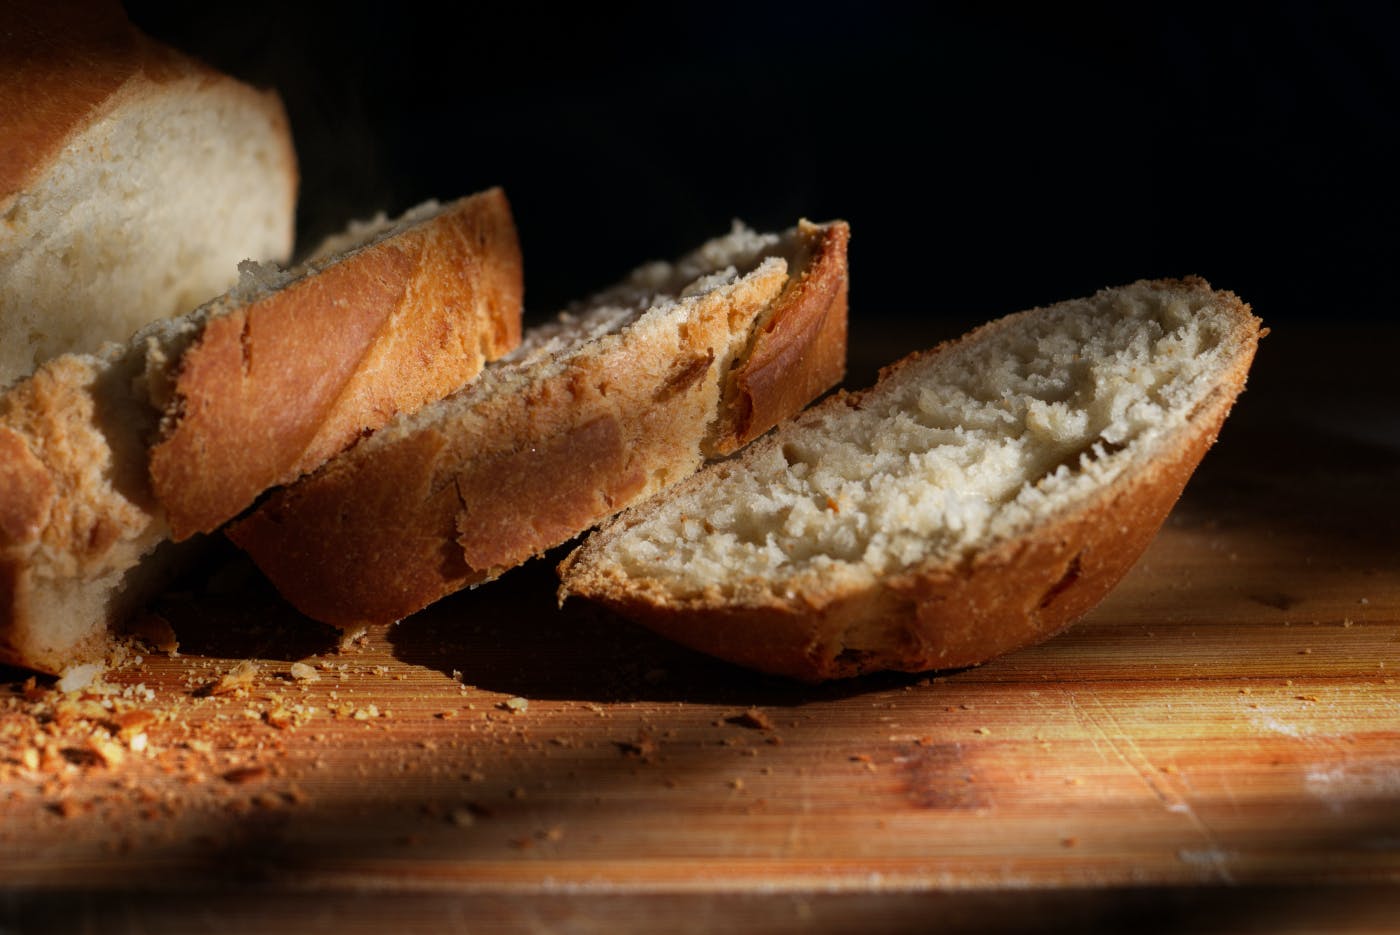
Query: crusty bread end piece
[[105, 456], [621, 397], [978, 499], [133, 180]]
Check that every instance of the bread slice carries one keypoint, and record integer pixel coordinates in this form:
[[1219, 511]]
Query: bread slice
[[133, 180], [619, 398], [104, 456], [978, 498]]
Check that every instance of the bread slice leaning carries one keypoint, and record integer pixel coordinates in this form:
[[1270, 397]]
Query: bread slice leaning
[[619, 398], [978, 498], [133, 180], [105, 456]]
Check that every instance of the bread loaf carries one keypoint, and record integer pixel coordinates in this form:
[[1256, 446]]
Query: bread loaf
[[105, 456], [133, 180], [619, 398], [979, 498]]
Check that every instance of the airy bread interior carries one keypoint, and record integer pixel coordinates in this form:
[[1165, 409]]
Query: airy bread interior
[[145, 214], [645, 300], [952, 452]]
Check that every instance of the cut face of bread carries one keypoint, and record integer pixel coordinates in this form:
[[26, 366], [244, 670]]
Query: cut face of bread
[[619, 398], [132, 181], [104, 457], [978, 498]]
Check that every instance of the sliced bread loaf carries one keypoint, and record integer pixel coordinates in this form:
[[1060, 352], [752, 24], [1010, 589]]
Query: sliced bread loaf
[[133, 180], [104, 456], [619, 398], [978, 498]]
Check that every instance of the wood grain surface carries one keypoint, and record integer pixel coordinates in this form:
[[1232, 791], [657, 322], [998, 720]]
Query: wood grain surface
[[1216, 747]]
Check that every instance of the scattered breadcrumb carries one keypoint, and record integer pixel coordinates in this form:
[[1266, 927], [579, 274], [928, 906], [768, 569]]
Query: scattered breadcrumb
[[66, 808], [132, 723], [239, 677], [77, 678], [245, 774], [109, 753], [349, 639], [644, 747], [302, 672], [752, 718]]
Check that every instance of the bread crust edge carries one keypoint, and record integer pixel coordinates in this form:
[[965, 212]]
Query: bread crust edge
[[239, 425]]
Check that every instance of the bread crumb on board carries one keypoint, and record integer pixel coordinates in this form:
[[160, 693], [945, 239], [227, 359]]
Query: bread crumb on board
[[235, 679], [77, 678], [302, 672], [753, 719]]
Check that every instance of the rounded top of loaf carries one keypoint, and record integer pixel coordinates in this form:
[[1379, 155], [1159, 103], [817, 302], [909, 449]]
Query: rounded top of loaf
[[64, 65], [133, 180]]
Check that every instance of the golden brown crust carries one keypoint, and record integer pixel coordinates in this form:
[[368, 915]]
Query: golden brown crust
[[801, 351], [571, 478], [26, 492], [13, 607], [64, 66], [303, 532], [59, 440], [73, 436], [398, 523], [271, 390], [939, 617], [26, 499]]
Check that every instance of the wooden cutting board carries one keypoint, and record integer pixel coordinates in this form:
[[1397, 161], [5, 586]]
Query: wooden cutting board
[[1217, 745]]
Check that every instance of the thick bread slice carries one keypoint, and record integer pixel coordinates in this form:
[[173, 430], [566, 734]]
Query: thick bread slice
[[102, 457], [618, 399], [279, 380], [979, 498], [133, 180]]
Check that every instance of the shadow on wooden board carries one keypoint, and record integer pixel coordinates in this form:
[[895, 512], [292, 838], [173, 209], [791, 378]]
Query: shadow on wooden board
[[1273, 910]]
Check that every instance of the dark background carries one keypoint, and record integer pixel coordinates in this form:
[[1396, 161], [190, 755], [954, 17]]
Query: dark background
[[988, 157]]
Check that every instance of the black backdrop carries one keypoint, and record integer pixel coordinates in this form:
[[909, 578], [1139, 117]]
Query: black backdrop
[[989, 157]]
